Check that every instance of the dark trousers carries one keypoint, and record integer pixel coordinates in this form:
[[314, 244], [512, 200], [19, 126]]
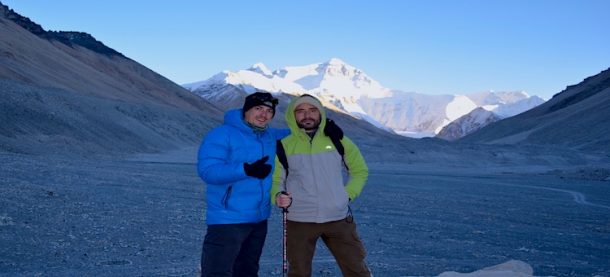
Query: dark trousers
[[339, 236], [233, 249]]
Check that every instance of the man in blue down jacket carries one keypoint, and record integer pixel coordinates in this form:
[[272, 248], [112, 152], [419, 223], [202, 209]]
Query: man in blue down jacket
[[235, 161]]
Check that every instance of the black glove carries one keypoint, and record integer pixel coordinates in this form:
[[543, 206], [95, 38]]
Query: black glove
[[332, 130], [258, 169]]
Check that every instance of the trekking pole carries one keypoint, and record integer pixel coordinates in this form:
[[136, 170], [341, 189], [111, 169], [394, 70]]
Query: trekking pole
[[284, 261]]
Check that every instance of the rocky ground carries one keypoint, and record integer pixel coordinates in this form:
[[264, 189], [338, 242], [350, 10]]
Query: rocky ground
[[143, 216]]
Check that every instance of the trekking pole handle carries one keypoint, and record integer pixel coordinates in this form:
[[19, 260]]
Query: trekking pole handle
[[285, 209]]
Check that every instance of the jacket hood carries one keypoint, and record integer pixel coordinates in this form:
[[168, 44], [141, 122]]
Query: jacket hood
[[305, 98], [235, 118]]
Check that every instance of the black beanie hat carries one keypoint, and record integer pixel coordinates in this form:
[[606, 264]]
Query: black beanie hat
[[260, 98]]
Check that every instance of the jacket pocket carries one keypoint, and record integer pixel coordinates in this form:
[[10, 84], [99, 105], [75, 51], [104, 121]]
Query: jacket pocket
[[225, 198]]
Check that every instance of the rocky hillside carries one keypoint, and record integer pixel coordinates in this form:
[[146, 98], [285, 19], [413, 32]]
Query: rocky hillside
[[577, 117], [467, 124], [66, 91]]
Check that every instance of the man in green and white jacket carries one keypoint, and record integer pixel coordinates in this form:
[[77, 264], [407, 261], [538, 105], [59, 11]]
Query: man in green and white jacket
[[315, 193]]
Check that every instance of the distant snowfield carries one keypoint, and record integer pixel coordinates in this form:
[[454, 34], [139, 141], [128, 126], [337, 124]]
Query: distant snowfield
[[352, 91], [143, 215]]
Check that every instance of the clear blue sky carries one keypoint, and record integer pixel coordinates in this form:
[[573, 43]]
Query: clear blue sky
[[427, 46]]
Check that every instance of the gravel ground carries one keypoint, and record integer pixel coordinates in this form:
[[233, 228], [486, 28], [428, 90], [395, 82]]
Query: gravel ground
[[105, 217]]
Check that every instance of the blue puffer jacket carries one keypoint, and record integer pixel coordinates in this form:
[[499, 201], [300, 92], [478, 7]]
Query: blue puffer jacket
[[231, 195]]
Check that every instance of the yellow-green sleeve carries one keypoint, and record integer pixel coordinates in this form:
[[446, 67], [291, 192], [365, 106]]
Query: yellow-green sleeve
[[279, 175], [358, 170]]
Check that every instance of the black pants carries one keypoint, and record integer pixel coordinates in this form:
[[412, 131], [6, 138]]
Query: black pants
[[233, 249]]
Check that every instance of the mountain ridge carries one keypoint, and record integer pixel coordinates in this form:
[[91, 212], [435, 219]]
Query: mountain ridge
[[69, 38], [352, 91], [74, 100], [64, 93], [570, 119]]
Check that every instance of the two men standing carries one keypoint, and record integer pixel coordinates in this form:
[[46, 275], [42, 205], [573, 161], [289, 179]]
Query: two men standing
[[235, 161]]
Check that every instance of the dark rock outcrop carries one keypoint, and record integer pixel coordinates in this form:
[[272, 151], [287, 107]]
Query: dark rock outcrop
[[68, 38]]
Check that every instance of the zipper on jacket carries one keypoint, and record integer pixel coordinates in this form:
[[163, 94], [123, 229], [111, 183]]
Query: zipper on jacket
[[225, 198], [260, 182]]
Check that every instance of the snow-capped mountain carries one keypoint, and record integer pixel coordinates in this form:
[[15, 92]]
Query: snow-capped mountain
[[350, 90], [488, 111], [467, 124], [575, 118]]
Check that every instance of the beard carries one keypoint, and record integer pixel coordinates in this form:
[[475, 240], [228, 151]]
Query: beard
[[309, 124]]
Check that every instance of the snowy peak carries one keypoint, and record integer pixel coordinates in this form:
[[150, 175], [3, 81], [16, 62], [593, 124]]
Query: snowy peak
[[576, 117], [459, 106], [334, 79], [336, 61], [509, 109], [217, 79], [343, 80], [337, 68], [353, 92], [261, 69], [467, 124], [495, 98]]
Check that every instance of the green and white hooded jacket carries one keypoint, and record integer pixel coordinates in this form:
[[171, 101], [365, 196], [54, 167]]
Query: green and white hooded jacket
[[315, 178]]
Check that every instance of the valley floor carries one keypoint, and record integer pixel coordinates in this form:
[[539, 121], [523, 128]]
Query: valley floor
[[144, 217]]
